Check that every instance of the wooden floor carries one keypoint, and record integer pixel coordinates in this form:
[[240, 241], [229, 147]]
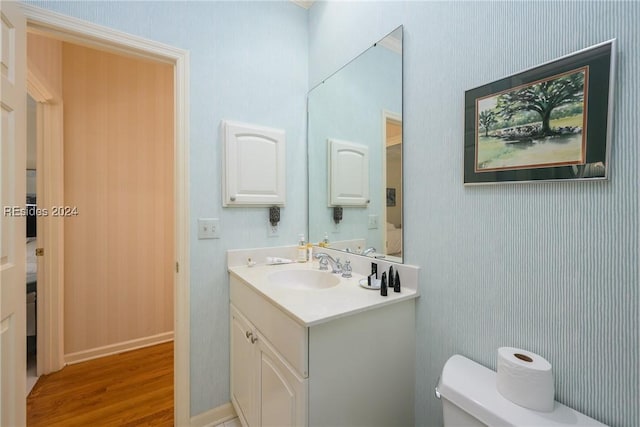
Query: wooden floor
[[127, 389]]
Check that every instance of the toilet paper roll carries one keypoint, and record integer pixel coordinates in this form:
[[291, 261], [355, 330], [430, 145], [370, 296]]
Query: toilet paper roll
[[525, 378]]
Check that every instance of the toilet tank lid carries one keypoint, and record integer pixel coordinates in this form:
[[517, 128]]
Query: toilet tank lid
[[472, 388]]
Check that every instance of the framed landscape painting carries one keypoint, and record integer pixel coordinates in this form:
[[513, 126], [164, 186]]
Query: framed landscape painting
[[551, 122], [391, 196]]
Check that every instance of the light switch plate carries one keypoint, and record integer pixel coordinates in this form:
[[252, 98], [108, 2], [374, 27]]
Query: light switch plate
[[272, 230], [373, 222], [208, 228]]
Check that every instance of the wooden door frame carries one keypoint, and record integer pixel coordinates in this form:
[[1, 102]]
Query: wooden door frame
[[84, 33]]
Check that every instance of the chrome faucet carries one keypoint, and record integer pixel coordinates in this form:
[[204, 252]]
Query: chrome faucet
[[368, 251], [336, 267], [346, 270]]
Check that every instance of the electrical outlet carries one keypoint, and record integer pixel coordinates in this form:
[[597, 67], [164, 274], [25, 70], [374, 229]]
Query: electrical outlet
[[373, 222], [208, 228], [272, 230]]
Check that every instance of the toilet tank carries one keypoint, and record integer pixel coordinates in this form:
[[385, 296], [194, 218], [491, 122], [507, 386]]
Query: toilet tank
[[470, 398]]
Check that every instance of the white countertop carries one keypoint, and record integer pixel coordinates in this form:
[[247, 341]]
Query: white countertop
[[313, 306]]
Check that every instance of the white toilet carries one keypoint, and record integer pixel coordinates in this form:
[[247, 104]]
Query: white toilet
[[470, 398]]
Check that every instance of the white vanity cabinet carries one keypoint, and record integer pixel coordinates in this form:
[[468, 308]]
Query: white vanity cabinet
[[352, 370], [265, 390]]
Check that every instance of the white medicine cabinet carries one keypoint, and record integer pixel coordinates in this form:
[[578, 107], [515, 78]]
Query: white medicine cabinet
[[253, 165]]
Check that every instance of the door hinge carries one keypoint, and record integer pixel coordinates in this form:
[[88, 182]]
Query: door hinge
[[39, 251], [177, 267]]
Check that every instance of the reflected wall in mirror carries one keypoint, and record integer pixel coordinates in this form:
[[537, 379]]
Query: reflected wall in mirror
[[359, 105]]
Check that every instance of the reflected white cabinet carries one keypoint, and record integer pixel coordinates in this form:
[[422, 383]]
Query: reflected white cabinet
[[348, 173], [253, 165], [265, 390]]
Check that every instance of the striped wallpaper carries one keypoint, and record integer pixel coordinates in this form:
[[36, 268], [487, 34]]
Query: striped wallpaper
[[549, 267], [552, 268]]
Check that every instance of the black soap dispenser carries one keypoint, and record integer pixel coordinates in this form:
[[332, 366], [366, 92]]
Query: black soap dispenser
[[396, 283], [383, 284]]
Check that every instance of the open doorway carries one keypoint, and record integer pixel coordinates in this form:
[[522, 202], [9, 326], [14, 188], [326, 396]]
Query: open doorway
[[118, 206], [73, 30], [393, 180]]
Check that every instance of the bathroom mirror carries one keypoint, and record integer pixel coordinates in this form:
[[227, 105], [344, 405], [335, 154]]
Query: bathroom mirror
[[355, 153]]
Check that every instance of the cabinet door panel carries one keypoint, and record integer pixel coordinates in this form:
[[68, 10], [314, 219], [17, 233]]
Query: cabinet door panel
[[278, 399], [348, 173], [243, 368], [254, 165], [282, 392]]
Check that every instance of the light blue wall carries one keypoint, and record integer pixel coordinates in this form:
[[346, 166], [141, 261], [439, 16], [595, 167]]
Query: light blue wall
[[348, 106], [553, 267], [248, 63]]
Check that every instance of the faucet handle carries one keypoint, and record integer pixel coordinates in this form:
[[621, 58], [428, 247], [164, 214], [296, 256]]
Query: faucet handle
[[338, 266], [346, 271]]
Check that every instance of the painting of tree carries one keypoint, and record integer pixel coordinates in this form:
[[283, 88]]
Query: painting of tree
[[533, 125], [543, 98], [487, 118], [549, 122]]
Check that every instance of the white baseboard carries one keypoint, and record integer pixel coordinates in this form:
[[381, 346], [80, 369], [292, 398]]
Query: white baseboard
[[108, 350], [214, 416]]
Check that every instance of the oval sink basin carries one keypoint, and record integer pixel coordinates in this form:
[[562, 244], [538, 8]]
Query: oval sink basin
[[304, 279]]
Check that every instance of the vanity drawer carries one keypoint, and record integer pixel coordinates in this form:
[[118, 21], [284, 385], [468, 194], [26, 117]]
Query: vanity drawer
[[289, 338]]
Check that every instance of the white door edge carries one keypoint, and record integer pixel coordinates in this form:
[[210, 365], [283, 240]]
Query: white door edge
[[13, 161]]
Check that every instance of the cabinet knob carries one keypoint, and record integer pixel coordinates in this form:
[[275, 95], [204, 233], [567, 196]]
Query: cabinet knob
[[250, 336], [232, 198]]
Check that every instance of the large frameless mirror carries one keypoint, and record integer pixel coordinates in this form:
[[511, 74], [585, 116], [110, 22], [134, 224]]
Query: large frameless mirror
[[355, 154]]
